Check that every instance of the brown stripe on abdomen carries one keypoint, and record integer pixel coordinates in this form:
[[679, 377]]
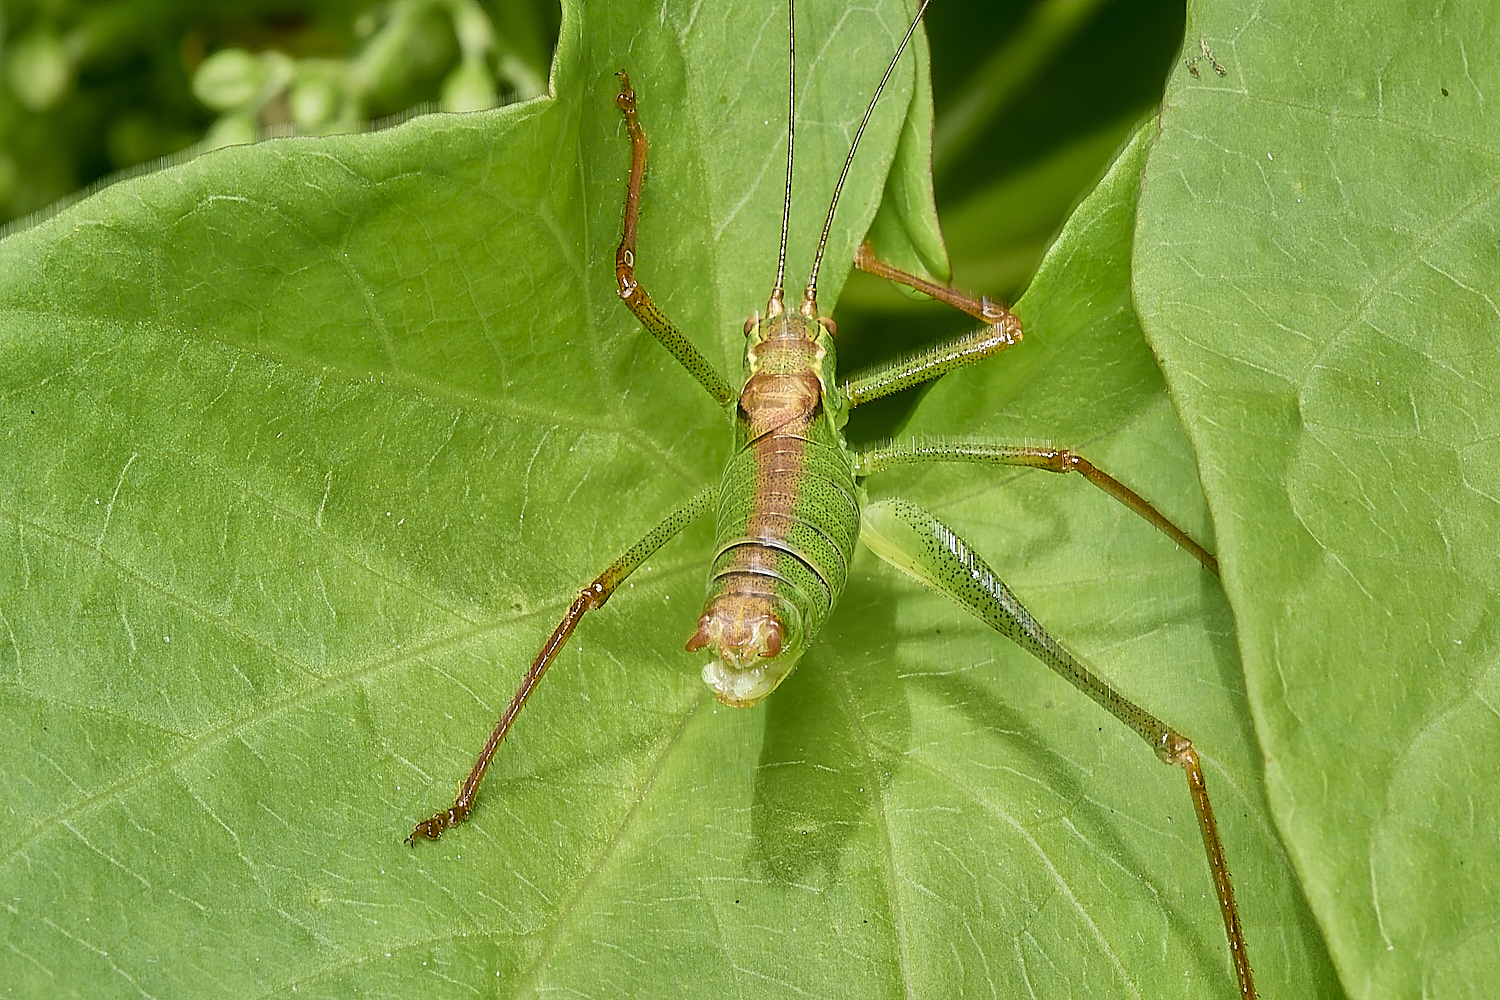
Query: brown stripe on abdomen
[[779, 568]]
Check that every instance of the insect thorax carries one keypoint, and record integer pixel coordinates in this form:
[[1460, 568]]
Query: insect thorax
[[788, 513]]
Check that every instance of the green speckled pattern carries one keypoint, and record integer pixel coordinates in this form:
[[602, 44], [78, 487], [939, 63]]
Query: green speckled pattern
[[788, 514]]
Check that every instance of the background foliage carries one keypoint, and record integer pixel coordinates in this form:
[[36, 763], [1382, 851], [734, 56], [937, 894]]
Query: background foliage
[[306, 446], [95, 87]]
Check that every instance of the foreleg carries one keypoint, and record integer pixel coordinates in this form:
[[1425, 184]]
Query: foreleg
[[630, 290], [1002, 329]]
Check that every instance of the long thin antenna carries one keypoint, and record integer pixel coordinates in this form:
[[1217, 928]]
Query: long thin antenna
[[810, 297], [778, 293]]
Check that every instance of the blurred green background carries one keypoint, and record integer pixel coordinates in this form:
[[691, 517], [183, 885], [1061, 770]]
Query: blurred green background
[[94, 88], [1032, 95], [1032, 99]]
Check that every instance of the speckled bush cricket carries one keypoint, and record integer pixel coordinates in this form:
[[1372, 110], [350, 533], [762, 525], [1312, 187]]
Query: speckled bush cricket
[[790, 506]]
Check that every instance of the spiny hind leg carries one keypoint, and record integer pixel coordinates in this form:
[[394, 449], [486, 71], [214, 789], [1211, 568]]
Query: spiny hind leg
[[1062, 460], [589, 599], [630, 290], [916, 542]]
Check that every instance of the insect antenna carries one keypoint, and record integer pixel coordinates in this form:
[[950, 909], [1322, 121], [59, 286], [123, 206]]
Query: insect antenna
[[777, 293], [810, 297]]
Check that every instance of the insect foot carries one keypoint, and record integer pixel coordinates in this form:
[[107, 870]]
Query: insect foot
[[432, 829], [625, 99]]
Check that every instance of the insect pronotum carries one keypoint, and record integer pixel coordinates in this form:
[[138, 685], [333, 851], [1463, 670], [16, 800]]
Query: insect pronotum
[[789, 507]]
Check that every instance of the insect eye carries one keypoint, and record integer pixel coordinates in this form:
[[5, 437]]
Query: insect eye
[[827, 323], [751, 322]]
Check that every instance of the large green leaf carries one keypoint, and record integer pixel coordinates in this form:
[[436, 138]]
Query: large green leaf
[[1089, 809], [309, 444], [1317, 266]]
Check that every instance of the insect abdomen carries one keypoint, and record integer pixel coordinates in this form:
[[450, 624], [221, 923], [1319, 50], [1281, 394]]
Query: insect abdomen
[[788, 519]]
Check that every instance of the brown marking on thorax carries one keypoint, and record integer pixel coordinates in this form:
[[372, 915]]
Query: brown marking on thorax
[[784, 394], [778, 404]]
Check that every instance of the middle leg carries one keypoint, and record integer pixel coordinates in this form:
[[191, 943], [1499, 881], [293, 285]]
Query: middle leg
[[591, 598], [1062, 460]]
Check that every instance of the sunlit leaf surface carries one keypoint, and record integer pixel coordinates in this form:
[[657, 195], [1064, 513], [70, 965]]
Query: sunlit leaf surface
[[1317, 267], [306, 447]]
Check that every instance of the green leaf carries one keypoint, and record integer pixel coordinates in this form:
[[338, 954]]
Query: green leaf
[[309, 445], [905, 232], [1093, 822], [1316, 265]]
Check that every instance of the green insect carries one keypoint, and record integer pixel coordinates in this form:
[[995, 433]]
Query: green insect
[[790, 506]]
